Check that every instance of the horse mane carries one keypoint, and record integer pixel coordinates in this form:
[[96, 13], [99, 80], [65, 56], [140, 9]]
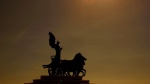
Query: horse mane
[[77, 56]]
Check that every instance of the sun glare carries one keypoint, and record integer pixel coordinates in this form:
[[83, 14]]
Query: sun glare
[[89, 1], [107, 2]]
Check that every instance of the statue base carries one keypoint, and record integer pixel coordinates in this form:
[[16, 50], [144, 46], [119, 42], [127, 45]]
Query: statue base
[[60, 80]]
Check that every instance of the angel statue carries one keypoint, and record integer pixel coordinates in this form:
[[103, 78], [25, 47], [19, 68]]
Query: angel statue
[[54, 65], [55, 44]]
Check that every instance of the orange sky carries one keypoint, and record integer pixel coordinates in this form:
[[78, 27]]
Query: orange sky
[[112, 34]]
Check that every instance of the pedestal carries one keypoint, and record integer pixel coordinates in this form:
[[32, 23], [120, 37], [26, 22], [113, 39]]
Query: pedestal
[[59, 80]]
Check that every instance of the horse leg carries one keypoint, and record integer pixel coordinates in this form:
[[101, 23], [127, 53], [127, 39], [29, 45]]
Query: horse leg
[[83, 72], [60, 72], [68, 73], [77, 73], [74, 73], [53, 71], [49, 71]]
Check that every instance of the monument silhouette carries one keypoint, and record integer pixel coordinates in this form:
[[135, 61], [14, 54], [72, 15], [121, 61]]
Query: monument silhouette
[[63, 71]]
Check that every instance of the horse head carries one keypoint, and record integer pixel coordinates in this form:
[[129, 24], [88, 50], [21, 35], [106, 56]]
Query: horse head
[[79, 59], [79, 56]]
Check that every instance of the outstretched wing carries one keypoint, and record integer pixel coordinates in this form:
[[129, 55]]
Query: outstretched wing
[[52, 40]]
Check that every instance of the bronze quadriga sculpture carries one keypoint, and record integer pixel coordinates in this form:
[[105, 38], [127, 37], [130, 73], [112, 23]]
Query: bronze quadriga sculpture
[[60, 67], [63, 71]]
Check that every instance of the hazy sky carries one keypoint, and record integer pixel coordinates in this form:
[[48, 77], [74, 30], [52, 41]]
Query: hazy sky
[[114, 35]]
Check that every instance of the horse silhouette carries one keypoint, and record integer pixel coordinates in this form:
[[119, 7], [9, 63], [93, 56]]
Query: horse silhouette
[[66, 66], [76, 66]]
